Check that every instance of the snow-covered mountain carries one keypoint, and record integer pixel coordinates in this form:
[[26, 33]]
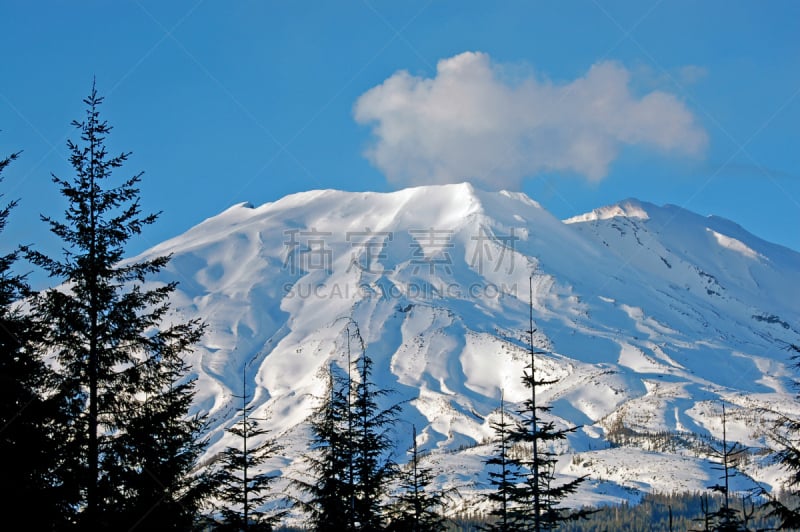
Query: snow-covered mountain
[[650, 317]]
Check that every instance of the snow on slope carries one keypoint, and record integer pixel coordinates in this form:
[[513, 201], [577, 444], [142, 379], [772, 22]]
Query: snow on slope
[[650, 316]]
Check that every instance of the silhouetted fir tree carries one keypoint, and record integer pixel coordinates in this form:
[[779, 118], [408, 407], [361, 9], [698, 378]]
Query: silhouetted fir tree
[[121, 379], [416, 507], [372, 445], [539, 496], [330, 492], [350, 459], [786, 433], [28, 446], [727, 518], [157, 451], [706, 520], [504, 475], [674, 512], [243, 491]]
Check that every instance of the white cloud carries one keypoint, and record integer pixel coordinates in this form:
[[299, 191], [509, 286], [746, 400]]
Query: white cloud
[[470, 123]]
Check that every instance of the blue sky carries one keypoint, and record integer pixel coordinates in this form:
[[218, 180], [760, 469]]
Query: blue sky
[[578, 103]]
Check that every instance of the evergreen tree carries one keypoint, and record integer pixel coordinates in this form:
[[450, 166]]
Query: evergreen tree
[[350, 458], [707, 518], [504, 475], [27, 443], [727, 518], [330, 493], [156, 453], [416, 508], [656, 512], [242, 490], [372, 445], [538, 496], [121, 379], [786, 432]]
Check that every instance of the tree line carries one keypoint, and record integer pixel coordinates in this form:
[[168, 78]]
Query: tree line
[[95, 399]]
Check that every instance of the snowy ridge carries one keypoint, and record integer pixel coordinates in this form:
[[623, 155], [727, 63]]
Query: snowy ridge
[[625, 209], [650, 317]]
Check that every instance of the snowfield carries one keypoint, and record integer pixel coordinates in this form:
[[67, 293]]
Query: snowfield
[[649, 318]]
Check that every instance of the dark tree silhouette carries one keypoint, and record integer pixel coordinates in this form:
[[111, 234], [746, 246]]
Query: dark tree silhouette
[[539, 496], [727, 518], [156, 453], [786, 432], [351, 448], [504, 475], [706, 519], [121, 378], [372, 444], [330, 493], [28, 445], [417, 508], [243, 492]]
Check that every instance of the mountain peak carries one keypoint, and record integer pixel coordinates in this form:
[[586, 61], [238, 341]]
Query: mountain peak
[[646, 314], [629, 208]]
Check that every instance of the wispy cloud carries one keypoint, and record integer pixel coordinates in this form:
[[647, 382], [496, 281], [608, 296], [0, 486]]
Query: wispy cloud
[[473, 121]]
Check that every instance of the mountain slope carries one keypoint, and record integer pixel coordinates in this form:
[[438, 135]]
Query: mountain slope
[[650, 316]]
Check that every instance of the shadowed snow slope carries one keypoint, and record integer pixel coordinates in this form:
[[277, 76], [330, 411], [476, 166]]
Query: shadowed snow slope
[[649, 317]]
